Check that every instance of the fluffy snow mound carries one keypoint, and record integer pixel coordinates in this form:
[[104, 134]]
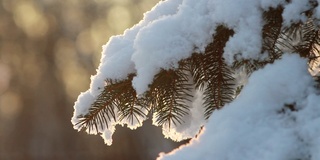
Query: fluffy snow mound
[[259, 124]]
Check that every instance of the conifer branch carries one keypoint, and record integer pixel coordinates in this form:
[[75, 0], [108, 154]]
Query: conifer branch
[[168, 96], [116, 96], [304, 39], [130, 106], [211, 73], [270, 33], [271, 40], [170, 92]]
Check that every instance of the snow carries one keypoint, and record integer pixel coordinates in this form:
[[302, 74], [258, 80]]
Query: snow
[[172, 31], [295, 8], [107, 135], [81, 106], [255, 126], [317, 11]]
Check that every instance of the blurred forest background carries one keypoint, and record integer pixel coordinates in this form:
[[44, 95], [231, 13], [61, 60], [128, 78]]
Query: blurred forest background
[[48, 50]]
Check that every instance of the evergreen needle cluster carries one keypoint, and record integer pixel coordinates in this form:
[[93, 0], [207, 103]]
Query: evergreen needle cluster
[[172, 90]]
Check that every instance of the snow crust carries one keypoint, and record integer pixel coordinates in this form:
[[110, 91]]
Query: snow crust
[[171, 31], [257, 125]]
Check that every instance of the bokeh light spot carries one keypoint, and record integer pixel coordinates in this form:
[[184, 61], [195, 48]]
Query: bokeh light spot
[[70, 70], [30, 19], [84, 42], [119, 18]]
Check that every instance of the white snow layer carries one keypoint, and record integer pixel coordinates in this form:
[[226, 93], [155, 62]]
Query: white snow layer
[[172, 31], [257, 125]]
